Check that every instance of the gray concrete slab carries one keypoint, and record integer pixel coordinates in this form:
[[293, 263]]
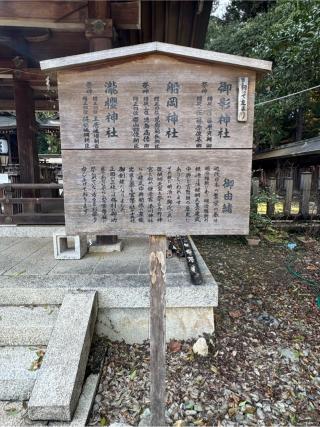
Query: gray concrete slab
[[20, 251], [14, 413], [25, 326], [58, 386], [85, 265], [128, 291], [7, 242], [17, 376], [35, 264], [28, 230], [109, 274]]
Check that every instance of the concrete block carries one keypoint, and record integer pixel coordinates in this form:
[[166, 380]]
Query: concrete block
[[132, 325], [82, 412], [112, 247], [58, 386], [69, 247], [17, 376], [26, 325]]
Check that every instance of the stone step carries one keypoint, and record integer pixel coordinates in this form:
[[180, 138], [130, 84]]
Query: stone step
[[58, 386], [18, 371], [26, 325]]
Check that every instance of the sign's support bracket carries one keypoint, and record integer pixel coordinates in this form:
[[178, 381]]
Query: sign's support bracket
[[158, 251]]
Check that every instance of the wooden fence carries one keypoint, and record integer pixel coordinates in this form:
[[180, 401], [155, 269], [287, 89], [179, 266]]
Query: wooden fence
[[287, 202], [31, 204]]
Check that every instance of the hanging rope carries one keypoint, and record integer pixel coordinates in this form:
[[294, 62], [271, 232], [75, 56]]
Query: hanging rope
[[286, 96]]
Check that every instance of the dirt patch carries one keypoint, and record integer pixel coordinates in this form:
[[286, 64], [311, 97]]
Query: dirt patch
[[263, 365]]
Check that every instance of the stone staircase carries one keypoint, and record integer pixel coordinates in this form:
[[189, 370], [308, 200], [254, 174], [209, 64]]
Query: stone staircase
[[44, 352], [24, 335]]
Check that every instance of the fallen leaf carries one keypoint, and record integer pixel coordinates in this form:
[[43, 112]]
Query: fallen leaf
[[235, 314], [174, 346], [312, 267], [103, 421], [214, 369], [133, 375]]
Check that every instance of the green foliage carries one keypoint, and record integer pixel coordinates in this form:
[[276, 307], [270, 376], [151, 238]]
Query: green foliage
[[288, 34], [48, 143], [244, 9], [260, 222]]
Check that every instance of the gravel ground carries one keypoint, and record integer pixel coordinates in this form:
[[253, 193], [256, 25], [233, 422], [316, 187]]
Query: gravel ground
[[263, 366]]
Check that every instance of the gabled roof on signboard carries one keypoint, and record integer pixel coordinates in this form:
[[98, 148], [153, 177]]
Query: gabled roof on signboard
[[147, 48]]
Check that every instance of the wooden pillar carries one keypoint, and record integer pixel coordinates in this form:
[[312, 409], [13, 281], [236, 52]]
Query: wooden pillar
[[272, 191], [305, 185], [158, 251], [318, 193], [26, 132], [255, 186], [288, 184], [99, 25], [99, 33]]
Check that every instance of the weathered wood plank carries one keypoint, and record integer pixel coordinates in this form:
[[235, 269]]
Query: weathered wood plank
[[305, 184], [288, 184], [157, 191], [140, 104], [158, 249], [40, 9], [272, 191], [255, 186], [40, 105], [126, 15]]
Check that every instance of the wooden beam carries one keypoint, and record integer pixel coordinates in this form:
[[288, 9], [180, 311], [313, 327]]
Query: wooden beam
[[40, 9], [51, 14], [40, 105], [42, 23], [126, 15]]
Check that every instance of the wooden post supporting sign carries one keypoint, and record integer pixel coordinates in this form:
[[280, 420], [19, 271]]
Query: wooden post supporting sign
[[158, 249]]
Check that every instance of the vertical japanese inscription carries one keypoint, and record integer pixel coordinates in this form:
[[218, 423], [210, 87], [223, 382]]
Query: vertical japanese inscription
[[228, 185], [224, 90], [111, 105], [135, 122], [243, 99], [113, 197], [103, 194], [150, 194], [94, 209], [146, 114], [85, 122], [173, 90], [157, 128]]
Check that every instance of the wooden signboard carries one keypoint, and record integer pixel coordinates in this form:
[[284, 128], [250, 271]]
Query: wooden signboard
[[156, 139]]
